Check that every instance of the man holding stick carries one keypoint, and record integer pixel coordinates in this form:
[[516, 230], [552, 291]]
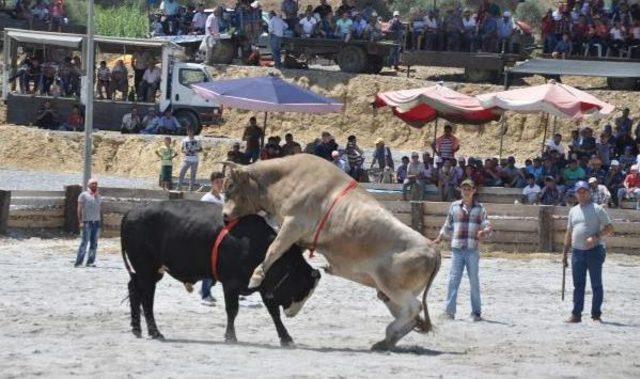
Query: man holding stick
[[467, 224], [586, 225]]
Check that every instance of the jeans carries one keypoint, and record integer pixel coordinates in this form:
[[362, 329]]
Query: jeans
[[459, 259], [205, 289], [581, 261], [186, 165], [253, 155], [275, 43], [90, 233]]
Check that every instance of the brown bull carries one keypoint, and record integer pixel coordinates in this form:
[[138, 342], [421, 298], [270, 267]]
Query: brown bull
[[361, 240]]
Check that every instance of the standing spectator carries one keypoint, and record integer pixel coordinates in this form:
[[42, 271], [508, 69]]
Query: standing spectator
[[488, 33], [547, 28], [131, 122], [337, 160], [47, 116], [453, 29], [253, 135], [587, 224], [104, 79], [119, 80], [323, 9], [414, 176], [214, 196], [344, 27], [382, 156], [235, 155], [326, 147], [289, 10], [505, 33], [614, 181], [75, 121], [550, 194], [446, 145], [212, 31], [631, 187], [531, 192], [599, 193], [308, 25], [276, 32], [166, 155], [432, 32], [624, 123], [290, 146], [150, 83], [467, 224], [199, 20], [89, 203], [191, 147], [396, 30], [401, 173], [625, 141], [139, 63], [355, 158], [470, 31], [327, 27]]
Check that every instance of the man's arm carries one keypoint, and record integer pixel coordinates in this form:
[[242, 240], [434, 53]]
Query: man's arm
[[80, 210], [447, 227], [567, 246]]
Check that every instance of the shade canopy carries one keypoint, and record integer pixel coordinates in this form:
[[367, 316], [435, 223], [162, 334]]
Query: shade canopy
[[419, 106], [266, 94], [554, 98]]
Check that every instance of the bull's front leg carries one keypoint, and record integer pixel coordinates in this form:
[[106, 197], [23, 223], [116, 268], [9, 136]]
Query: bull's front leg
[[290, 232], [231, 306]]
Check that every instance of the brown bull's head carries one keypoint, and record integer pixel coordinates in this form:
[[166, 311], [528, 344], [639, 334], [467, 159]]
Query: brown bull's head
[[241, 194]]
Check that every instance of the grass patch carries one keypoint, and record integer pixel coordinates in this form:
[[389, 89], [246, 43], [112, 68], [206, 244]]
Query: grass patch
[[127, 19]]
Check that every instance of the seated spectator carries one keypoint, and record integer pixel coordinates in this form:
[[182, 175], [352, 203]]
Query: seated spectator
[[328, 145], [563, 48], [355, 158], [401, 173], [75, 121], [574, 145], [289, 10], [573, 173], [271, 150], [448, 181], [157, 27], [597, 34], [587, 144], [627, 159], [168, 124], [430, 172], [512, 176], [58, 18], [631, 187], [47, 117], [555, 143], [617, 39], [413, 178], [119, 80], [104, 79], [344, 27], [614, 181], [131, 122], [603, 149], [531, 192], [492, 177], [290, 146], [549, 169], [150, 83], [473, 173], [40, 13], [150, 122], [308, 25], [599, 193], [536, 169], [310, 148], [550, 195], [596, 169], [338, 161], [624, 123], [236, 156]]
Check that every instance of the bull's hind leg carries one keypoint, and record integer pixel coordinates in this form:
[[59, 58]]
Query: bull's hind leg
[[148, 295], [274, 311], [231, 306], [406, 315], [134, 302]]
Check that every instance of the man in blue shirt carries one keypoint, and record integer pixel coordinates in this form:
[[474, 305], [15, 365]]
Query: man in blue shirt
[[505, 31], [489, 33], [168, 124]]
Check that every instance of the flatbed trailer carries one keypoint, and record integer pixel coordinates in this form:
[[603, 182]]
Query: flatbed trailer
[[358, 56]]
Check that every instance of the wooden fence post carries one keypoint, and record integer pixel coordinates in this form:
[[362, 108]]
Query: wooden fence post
[[5, 202], [71, 222], [417, 216], [545, 228]]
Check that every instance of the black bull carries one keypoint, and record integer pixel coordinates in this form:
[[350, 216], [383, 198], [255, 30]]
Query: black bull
[[177, 237]]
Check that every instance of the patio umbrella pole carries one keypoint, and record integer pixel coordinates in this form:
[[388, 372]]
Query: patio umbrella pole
[[544, 135], [264, 130], [435, 137], [501, 135]]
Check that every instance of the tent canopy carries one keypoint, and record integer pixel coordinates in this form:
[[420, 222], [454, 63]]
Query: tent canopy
[[45, 38], [419, 106], [554, 98], [266, 94]]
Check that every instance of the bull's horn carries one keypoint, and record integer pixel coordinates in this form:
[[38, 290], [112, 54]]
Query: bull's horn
[[232, 165]]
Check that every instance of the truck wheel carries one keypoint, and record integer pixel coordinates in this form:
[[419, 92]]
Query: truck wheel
[[622, 84], [186, 118], [375, 63], [352, 59], [475, 75], [223, 52]]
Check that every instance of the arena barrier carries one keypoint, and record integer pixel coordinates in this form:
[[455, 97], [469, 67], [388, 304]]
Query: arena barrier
[[517, 227]]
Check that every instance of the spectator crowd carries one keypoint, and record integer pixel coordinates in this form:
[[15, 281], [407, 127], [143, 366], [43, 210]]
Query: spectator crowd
[[48, 13]]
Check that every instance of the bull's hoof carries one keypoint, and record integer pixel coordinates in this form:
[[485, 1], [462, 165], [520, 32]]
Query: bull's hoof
[[157, 336], [287, 343], [230, 339], [137, 333], [381, 346]]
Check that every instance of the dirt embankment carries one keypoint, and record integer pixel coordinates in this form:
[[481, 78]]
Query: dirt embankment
[[114, 154]]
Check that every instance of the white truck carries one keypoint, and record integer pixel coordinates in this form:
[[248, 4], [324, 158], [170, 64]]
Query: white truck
[[174, 89]]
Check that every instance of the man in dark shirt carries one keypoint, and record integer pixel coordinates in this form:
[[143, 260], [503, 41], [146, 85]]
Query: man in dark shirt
[[290, 146], [326, 147], [253, 135], [323, 9]]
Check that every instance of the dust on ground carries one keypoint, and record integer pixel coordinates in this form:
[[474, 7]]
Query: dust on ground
[[59, 321]]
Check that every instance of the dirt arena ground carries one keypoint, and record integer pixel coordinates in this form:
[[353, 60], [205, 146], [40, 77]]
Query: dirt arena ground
[[58, 321]]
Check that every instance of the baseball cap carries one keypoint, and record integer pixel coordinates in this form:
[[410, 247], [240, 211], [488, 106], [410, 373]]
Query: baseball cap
[[581, 185], [380, 140], [549, 178], [615, 163], [396, 13], [634, 167], [593, 180], [468, 182], [506, 14]]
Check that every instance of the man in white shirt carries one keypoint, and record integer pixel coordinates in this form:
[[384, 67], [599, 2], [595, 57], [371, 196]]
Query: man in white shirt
[[214, 196], [198, 23], [470, 28], [531, 192], [308, 25], [276, 31], [338, 161], [555, 144], [212, 24], [150, 83], [191, 147]]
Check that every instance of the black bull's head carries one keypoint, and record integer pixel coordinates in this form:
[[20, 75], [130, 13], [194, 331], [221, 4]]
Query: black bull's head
[[290, 281]]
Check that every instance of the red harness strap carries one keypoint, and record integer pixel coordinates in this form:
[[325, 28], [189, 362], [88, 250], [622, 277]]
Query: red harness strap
[[325, 218], [216, 247]]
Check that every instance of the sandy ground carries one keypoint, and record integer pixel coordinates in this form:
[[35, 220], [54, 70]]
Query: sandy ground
[[59, 321]]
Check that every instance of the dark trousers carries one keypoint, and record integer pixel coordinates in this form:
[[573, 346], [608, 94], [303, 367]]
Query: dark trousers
[[581, 262]]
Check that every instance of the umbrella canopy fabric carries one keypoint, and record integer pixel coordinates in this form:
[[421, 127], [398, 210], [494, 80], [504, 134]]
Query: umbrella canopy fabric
[[266, 94], [554, 98], [419, 106]]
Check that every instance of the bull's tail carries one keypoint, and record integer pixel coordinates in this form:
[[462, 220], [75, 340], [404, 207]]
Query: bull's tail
[[425, 326], [123, 248]]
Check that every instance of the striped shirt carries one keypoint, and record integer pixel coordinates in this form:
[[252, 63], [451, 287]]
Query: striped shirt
[[446, 146], [463, 224]]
